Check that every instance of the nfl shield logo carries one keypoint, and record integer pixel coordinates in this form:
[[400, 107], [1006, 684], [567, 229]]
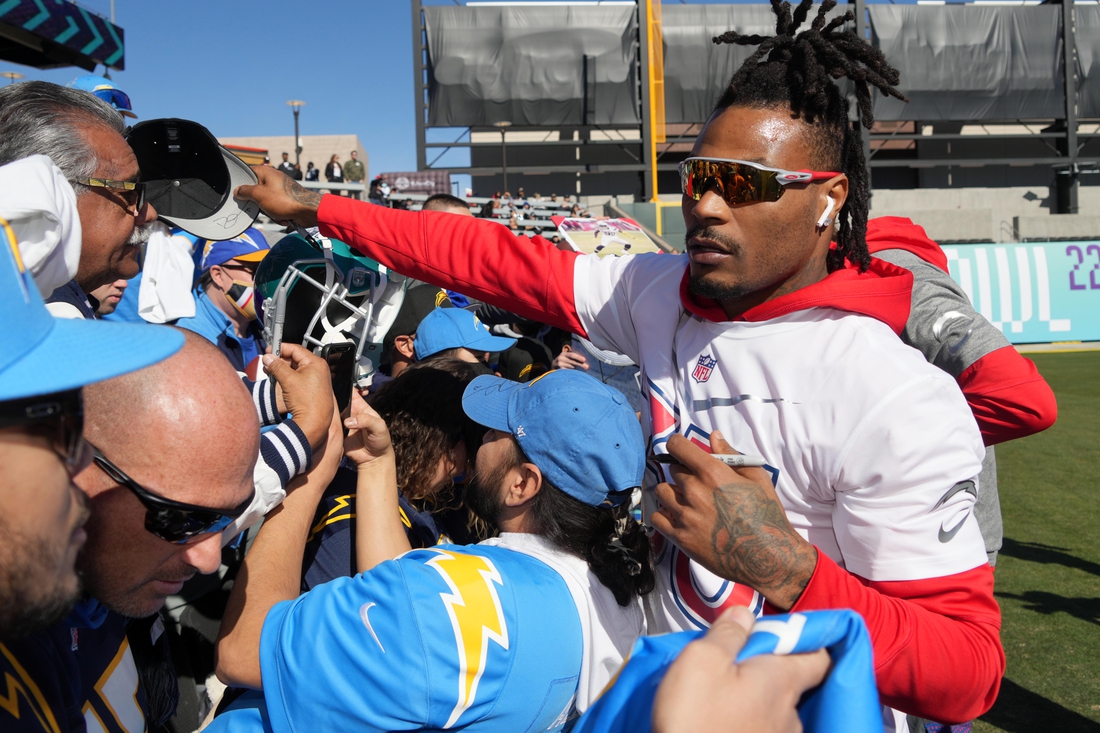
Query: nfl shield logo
[[703, 368]]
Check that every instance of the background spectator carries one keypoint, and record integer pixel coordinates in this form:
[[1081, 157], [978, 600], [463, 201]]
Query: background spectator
[[286, 166], [108, 296], [312, 173], [375, 194], [354, 172], [334, 173], [225, 302]]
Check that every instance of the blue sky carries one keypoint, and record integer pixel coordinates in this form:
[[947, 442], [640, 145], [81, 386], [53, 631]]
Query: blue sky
[[232, 65]]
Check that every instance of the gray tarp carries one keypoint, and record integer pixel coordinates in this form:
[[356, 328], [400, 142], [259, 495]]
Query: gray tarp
[[1088, 58], [546, 66], [970, 62], [697, 70], [527, 65]]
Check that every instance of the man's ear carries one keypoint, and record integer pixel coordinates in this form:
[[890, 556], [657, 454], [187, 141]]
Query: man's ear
[[836, 194], [526, 481], [404, 346], [221, 279]]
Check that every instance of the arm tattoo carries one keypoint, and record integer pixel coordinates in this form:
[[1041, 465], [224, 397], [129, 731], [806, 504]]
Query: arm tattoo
[[753, 543], [301, 195]]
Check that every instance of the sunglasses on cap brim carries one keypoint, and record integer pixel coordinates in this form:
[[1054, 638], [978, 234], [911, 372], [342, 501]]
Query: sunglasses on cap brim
[[60, 413], [172, 521], [117, 99], [739, 181]]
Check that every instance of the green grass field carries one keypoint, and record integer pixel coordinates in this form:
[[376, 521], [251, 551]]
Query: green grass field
[[1048, 574]]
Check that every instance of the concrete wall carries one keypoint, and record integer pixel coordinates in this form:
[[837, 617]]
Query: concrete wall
[[316, 148], [1054, 228], [984, 214]]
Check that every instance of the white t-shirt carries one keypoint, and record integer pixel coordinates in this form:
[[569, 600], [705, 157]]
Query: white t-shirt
[[609, 630], [874, 452]]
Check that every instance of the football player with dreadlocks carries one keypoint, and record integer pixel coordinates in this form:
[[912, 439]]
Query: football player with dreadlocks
[[776, 334]]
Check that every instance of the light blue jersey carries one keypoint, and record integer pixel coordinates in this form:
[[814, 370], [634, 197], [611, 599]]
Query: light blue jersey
[[448, 638]]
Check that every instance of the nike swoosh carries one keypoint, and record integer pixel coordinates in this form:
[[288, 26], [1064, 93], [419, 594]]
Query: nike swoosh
[[365, 609], [958, 344], [948, 535], [967, 486], [943, 320]]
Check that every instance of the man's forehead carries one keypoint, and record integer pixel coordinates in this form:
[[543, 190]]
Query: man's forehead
[[766, 136], [116, 159]]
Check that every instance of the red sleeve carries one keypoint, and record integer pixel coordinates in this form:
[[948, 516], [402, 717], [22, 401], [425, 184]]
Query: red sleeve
[[476, 257], [937, 641], [1008, 396]]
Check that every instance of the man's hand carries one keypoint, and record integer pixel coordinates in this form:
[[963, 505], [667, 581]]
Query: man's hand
[[704, 689], [730, 521], [307, 389], [368, 437], [281, 198], [569, 359]]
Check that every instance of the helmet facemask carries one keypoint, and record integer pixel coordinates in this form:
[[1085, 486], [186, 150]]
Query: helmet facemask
[[316, 303]]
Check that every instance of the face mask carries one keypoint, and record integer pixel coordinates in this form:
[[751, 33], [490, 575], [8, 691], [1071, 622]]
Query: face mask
[[241, 295]]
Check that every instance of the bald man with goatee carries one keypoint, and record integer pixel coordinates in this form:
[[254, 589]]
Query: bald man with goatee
[[174, 448]]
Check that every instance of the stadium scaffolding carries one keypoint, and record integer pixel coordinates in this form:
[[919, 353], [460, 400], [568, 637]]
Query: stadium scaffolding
[[987, 82]]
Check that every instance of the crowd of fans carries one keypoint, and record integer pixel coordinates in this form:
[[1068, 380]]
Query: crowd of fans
[[525, 215], [352, 171], [359, 475]]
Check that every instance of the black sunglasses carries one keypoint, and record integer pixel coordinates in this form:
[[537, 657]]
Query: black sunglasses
[[172, 521], [61, 413]]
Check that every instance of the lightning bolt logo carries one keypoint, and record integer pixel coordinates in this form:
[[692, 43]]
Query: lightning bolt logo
[[476, 617], [333, 516]]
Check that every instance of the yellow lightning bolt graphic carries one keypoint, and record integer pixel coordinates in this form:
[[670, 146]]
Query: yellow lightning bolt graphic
[[34, 698], [476, 617]]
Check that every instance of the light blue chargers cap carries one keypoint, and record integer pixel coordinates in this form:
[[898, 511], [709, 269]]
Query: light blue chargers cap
[[40, 354], [581, 434], [452, 328]]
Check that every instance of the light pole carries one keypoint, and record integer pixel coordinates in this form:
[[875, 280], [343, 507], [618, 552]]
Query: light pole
[[11, 76], [296, 105], [503, 152]]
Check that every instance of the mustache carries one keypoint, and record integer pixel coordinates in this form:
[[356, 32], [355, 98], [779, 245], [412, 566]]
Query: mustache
[[141, 234], [713, 234]]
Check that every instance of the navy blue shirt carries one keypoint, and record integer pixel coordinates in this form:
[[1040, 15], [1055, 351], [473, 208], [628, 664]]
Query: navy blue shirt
[[76, 672], [330, 549], [72, 294]]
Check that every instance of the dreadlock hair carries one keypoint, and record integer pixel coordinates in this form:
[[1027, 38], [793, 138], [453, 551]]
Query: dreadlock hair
[[798, 73]]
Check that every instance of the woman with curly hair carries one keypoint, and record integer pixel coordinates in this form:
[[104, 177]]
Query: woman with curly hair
[[428, 434]]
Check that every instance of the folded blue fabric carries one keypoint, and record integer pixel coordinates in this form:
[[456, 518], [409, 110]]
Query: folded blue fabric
[[847, 700]]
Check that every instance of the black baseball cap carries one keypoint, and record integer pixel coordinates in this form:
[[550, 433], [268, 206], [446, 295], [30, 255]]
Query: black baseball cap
[[527, 360], [190, 178], [420, 300]]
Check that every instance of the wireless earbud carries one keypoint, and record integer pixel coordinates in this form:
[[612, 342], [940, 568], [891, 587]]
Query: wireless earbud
[[825, 219]]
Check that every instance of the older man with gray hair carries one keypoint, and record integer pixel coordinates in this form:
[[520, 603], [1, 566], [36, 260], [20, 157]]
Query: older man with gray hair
[[84, 137]]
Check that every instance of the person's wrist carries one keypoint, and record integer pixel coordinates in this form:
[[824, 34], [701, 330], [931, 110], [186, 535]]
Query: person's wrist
[[316, 430], [376, 464], [307, 214], [801, 568]]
